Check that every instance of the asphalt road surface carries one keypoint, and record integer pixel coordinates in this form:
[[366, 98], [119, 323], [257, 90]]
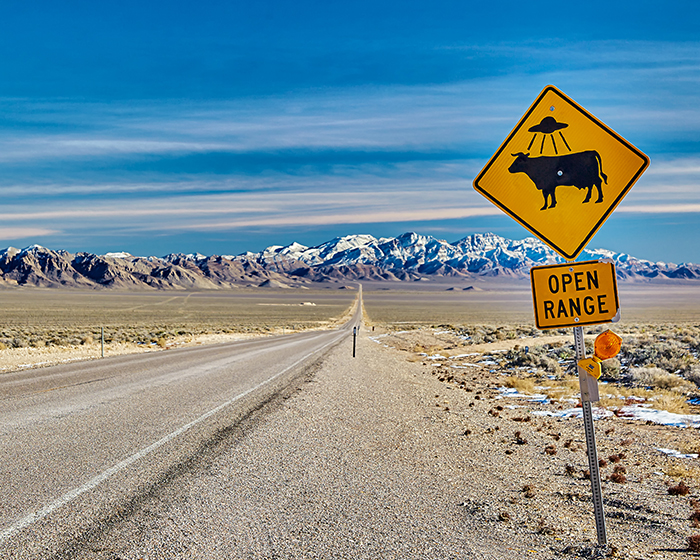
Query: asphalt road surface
[[84, 443]]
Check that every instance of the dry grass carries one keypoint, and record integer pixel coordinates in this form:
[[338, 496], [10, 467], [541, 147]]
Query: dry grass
[[680, 470], [37, 317], [523, 385], [564, 389], [670, 402]]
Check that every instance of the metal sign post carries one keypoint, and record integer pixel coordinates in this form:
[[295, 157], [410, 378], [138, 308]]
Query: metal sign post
[[589, 392], [354, 340]]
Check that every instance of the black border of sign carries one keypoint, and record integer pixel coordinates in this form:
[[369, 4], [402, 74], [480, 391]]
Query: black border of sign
[[605, 216], [580, 323]]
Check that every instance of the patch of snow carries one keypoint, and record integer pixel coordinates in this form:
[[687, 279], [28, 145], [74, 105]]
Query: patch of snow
[[121, 255], [513, 393], [635, 412], [577, 412], [677, 454], [661, 416]]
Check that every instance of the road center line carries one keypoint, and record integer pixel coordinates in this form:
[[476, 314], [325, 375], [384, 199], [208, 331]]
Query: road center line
[[100, 478]]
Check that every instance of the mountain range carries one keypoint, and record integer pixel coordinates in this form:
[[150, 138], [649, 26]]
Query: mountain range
[[409, 256]]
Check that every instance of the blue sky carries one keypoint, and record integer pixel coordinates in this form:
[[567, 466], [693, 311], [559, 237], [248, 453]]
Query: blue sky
[[221, 127]]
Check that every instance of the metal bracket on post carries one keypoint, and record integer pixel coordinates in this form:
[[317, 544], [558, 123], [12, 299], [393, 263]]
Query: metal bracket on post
[[589, 392]]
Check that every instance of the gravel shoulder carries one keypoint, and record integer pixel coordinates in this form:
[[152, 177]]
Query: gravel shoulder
[[376, 457]]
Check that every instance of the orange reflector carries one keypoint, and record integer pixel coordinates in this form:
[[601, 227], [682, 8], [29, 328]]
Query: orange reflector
[[607, 345]]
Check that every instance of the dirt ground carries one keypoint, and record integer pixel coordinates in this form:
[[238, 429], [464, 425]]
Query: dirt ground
[[536, 459]]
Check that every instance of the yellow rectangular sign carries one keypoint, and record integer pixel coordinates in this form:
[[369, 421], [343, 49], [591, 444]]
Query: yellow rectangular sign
[[575, 294]]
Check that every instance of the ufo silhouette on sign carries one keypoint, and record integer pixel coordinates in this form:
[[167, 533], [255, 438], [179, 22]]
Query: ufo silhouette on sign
[[548, 126]]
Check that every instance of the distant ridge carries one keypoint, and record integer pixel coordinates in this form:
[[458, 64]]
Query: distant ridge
[[409, 256]]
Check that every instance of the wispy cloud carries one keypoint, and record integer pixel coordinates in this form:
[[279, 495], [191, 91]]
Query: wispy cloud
[[10, 233]]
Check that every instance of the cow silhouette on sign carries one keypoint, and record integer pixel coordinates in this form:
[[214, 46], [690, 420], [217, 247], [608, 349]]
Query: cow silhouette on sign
[[583, 170]]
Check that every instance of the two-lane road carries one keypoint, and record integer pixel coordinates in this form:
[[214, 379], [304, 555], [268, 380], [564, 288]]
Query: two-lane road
[[81, 441]]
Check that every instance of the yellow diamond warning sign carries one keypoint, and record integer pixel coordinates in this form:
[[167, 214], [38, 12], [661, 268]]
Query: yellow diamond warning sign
[[561, 172], [575, 294]]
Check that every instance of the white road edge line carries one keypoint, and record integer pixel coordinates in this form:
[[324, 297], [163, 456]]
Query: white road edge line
[[100, 478]]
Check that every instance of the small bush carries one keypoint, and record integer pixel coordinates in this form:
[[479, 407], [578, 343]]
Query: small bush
[[618, 477], [694, 374], [657, 378], [681, 489], [694, 543], [611, 369], [695, 518]]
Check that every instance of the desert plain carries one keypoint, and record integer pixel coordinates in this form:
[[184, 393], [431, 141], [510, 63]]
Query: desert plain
[[502, 394]]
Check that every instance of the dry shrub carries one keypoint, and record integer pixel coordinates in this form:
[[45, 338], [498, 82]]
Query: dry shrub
[[680, 489], [658, 378], [550, 450], [670, 355], [523, 385], [695, 518], [617, 477], [610, 369], [694, 374], [87, 340], [694, 543]]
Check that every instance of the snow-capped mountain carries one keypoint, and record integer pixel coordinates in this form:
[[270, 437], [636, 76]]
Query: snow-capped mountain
[[409, 256], [479, 254]]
